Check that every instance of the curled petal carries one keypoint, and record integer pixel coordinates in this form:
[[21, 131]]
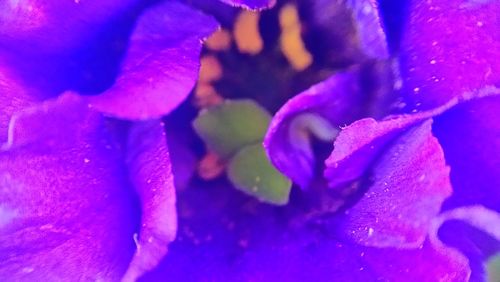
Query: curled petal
[[327, 105], [161, 64], [474, 231], [319, 111], [448, 48], [151, 174], [408, 185], [66, 207], [357, 146], [360, 143]]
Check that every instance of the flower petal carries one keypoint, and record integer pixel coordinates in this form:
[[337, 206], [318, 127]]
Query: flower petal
[[151, 173], [13, 98], [469, 135], [318, 110], [161, 64], [408, 185], [71, 210], [358, 144], [343, 32], [52, 27], [251, 4], [449, 48], [222, 239]]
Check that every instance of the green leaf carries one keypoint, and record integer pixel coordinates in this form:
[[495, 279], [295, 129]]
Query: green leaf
[[251, 172], [493, 269], [227, 128]]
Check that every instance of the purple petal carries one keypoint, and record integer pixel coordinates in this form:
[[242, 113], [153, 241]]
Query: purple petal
[[328, 102], [251, 4], [220, 238], [368, 24], [161, 64], [47, 26], [409, 183], [14, 97], [469, 135], [151, 173], [474, 231], [341, 33], [449, 48], [358, 144], [66, 208], [319, 110]]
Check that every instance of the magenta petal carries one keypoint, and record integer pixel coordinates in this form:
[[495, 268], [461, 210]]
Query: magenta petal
[[430, 262], [409, 183], [357, 146], [55, 26], [469, 134], [151, 173], [450, 47], [66, 207], [251, 4], [161, 64]]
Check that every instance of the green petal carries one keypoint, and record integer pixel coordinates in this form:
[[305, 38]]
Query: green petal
[[227, 128], [251, 172]]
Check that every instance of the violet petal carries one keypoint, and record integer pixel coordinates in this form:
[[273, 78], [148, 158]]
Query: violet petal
[[408, 185], [329, 101], [46, 26], [448, 48], [151, 173], [251, 4], [220, 241], [14, 97], [469, 135], [161, 64], [71, 212]]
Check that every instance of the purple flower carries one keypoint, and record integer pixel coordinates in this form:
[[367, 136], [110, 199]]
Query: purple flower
[[432, 169], [83, 195], [413, 195]]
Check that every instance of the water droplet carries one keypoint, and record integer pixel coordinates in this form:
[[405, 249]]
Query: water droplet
[[370, 232]]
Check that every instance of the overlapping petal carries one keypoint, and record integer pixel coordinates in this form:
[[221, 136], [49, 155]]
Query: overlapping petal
[[408, 184], [221, 239], [376, 148], [323, 108], [66, 192], [320, 112]]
